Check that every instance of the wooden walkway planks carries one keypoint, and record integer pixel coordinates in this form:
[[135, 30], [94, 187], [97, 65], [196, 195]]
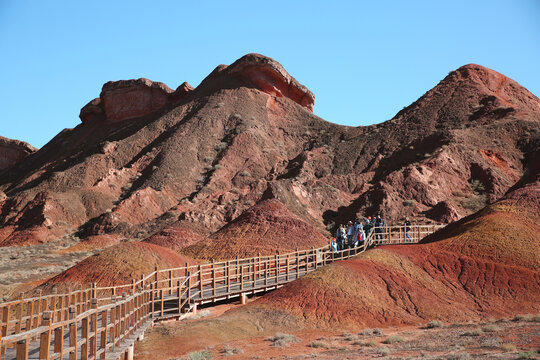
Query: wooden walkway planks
[[97, 323]]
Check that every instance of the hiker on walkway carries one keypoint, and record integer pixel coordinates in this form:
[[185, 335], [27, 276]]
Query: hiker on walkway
[[360, 234], [333, 245], [408, 229], [357, 228], [368, 226], [340, 237], [350, 234], [379, 224]]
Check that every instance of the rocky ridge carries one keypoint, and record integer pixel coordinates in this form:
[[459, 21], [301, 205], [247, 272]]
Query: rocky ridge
[[146, 158]]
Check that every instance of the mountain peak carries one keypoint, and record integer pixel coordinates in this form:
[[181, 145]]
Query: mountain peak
[[471, 93]]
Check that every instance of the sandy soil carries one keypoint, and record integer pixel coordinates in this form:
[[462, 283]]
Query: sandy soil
[[514, 338], [23, 268]]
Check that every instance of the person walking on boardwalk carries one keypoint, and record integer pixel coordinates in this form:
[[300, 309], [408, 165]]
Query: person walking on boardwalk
[[350, 234], [368, 226], [379, 224], [408, 229], [360, 234], [357, 228], [333, 245], [340, 236]]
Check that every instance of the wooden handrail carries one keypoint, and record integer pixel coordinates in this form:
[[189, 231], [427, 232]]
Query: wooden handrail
[[45, 318]]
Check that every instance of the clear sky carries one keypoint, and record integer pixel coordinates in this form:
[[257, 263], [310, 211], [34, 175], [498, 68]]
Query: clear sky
[[363, 60]]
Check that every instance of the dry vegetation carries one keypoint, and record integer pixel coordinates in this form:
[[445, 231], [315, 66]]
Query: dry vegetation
[[515, 338]]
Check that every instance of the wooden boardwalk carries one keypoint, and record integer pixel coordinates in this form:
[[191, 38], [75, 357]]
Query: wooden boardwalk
[[104, 322]]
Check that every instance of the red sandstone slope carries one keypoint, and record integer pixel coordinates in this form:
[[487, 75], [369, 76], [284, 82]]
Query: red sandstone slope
[[486, 265], [175, 237], [146, 157], [118, 265], [264, 229]]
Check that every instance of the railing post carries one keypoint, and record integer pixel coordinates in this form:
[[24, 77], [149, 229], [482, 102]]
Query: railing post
[[236, 273], [276, 267], [79, 300], [297, 255], [123, 314], [59, 341], [93, 290], [201, 279], [253, 274], [18, 327], [170, 282], [287, 265], [266, 273], [241, 277], [213, 277], [6, 315], [228, 276], [86, 337], [93, 326], [104, 332], [179, 294], [45, 337], [72, 333], [22, 349], [161, 302], [258, 265], [114, 325], [188, 286], [156, 277], [152, 300]]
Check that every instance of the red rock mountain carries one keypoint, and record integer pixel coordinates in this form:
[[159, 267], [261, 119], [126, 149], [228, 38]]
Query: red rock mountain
[[146, 158]]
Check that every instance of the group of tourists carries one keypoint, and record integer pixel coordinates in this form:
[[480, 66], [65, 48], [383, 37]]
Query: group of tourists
[[354, 234]]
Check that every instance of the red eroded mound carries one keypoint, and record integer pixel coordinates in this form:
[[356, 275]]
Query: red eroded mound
[[264, 229], [485, 265], [118, 264], [175, 237]]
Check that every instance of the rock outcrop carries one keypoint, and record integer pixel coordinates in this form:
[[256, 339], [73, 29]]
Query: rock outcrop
[[13, 151], [126, 99], [262, 73], [269, 76]]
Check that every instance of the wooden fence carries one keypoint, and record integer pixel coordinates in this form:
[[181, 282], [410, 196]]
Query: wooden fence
[[104, 322]]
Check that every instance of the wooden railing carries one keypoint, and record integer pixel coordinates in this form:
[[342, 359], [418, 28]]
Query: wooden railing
[[98, 323]]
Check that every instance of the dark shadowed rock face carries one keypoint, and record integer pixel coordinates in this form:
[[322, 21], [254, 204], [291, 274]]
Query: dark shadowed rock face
[[182, 91], [148, 160], [13, 151], [92, 110]]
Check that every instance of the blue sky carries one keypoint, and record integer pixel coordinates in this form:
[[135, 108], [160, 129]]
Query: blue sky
[[363, 60]]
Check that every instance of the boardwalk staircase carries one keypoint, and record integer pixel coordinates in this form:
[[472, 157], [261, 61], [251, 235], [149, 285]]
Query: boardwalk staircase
[[105, 322]]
